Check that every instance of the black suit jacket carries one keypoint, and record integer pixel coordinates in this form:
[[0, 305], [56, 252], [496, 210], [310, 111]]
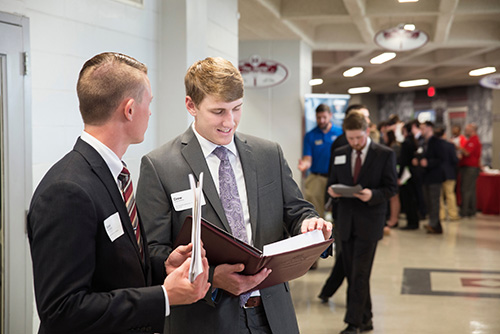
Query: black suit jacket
[[364, 220], [434, 154], [84, 282], [450, 161]]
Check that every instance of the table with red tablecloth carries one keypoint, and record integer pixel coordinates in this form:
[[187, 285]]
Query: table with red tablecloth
[[488, 193]]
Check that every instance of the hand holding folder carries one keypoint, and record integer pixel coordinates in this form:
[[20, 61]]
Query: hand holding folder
[[291, 258]]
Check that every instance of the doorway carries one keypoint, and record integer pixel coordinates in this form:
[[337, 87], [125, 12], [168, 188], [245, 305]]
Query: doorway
[[16, 287]]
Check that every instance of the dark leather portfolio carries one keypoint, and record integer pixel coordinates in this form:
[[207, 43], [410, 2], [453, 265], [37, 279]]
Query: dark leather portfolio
[[222, 247]]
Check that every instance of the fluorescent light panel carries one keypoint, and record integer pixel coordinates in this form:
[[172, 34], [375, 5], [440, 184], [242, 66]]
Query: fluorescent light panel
[[413, 83], [404, 1], [382, 58], [359, 90], [353, 71], [482, 71], [315, 82]]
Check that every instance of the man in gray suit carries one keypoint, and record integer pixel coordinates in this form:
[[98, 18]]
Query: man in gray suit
[[270, 204]]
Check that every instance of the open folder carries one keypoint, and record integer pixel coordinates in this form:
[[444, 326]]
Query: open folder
[[287, 264]]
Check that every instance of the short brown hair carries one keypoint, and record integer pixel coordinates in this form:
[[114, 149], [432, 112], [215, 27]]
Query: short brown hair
[[104, 81], [213, 76], [355, 120]]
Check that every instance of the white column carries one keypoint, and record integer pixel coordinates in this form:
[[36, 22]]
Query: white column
[[277, 113], [190, 30]]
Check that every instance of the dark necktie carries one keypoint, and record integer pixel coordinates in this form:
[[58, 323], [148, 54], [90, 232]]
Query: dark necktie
[[230, 199], [128, 197], [357, 166]]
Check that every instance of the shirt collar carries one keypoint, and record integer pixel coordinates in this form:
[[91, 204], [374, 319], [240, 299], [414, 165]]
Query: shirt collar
[[364, 150], [112, 161], [208, 147]]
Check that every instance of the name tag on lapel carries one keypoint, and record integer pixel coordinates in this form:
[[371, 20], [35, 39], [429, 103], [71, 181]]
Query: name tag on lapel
[[183, 200], [113, 226], [340, 160]]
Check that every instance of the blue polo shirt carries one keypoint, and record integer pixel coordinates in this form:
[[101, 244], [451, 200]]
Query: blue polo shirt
[[317, 145]]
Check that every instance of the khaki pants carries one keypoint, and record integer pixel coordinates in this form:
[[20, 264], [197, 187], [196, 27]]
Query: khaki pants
[[448, 196], [315, 191]]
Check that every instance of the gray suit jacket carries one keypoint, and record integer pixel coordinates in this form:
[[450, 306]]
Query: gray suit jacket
[[276, 210]]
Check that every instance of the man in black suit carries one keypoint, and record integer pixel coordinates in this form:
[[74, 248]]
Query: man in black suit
[[433, 176], [361, 218], [92, 273], [337, 275]]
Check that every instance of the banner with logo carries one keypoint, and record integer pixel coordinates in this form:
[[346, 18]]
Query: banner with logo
[[337, 102]]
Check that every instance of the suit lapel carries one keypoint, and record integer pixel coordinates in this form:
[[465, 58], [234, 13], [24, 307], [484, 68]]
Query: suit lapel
[[102, 171], [192, 153], [250, 173]]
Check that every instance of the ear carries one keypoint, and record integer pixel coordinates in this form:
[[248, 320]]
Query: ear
[[190, 106], [128, 109]]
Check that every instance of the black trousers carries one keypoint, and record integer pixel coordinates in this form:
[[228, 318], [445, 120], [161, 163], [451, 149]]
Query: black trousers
[[358, 258], [409, 202], [468, 177], [431, 194], [338, 274]]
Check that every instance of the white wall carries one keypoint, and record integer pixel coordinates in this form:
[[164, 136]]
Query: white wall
[[65, 33], [190, 31], [277, 113]]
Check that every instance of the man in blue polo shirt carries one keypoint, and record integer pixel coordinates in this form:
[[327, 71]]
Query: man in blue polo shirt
[[316, 157]]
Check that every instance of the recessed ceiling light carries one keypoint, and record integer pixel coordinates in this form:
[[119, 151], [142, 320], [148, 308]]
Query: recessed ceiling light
[[482, 71], [359, 90], [409, 27], [353, 71], [413, 83], [315, 82], [382, 58]]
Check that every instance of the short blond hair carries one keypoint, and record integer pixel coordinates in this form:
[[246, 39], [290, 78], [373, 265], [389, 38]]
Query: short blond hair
[[216, 77], [104, 81]]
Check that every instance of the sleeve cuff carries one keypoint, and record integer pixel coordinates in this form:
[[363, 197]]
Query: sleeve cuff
[[167, 304]]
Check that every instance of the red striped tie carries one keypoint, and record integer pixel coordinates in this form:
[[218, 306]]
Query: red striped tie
[[128, 197]]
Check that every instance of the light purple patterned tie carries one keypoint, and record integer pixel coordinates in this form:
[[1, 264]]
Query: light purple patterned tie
[[230, 198]]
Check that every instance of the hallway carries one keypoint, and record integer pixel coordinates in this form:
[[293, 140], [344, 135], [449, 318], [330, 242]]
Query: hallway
[[420, 283]]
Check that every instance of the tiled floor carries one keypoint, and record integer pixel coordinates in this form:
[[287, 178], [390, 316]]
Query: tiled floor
[[421, 283]]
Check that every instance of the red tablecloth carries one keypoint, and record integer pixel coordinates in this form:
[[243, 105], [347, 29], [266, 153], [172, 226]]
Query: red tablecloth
[[488, 193]]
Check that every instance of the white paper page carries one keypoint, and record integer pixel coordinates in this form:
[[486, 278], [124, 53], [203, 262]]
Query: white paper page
[[196, 267], [296, 242]]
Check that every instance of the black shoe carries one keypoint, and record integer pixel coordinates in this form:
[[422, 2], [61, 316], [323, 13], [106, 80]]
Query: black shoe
[[367, 326], [432, 230], [324, 299], [408, 228], [351, 329]]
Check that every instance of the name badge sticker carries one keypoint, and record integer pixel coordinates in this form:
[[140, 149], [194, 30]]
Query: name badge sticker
[[318, 142], [340, 160], [113, 226], [183, 200]]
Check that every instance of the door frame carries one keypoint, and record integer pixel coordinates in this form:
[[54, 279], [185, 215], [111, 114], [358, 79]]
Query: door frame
[[17, 189]]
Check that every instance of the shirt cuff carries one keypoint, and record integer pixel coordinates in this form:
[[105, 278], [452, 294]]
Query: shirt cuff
[[167, 305]]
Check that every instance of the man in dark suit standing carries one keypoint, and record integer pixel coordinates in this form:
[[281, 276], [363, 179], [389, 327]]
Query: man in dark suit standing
[[266, 204], [92, 273], [433, 177], [361, 218], [337, 275]]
